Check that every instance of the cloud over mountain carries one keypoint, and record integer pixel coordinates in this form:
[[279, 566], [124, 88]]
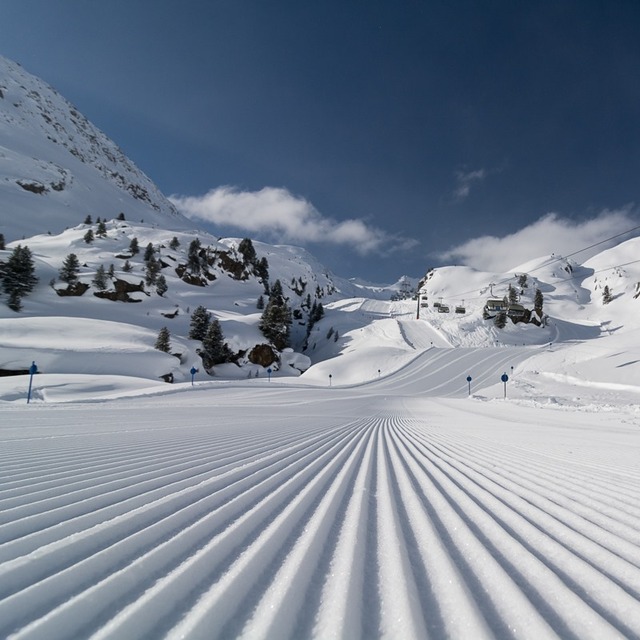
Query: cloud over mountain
[[283, 216], [549, 234]]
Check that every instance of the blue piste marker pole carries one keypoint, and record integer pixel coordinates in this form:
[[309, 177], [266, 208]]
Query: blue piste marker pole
[[269, 372], [504, 379], [469, 379], [33, 369]]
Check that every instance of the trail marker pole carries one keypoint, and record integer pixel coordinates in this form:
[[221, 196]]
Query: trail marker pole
[[33, 369], [330, 376], [269, 371], [469, 379], [504, 379]]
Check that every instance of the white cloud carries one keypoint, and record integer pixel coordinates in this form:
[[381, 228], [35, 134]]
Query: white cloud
[[550, 234], [282, 216], [465, 180]]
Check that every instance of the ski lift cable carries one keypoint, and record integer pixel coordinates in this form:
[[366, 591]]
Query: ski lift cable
[[560, 259]]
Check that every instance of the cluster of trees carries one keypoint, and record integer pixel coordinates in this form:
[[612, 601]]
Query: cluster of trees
[[207, 329], [18, 279], [260, 266], [152, 275], [101, 231]]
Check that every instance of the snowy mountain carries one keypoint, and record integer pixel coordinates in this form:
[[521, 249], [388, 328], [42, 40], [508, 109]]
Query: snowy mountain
[[56, 167], [59, 175]]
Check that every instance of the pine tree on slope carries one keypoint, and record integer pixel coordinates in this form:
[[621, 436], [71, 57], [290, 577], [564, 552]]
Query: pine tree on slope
[[214, 349], [100, 279], [163, 343], [70, 268], [275, 323], [18, 276], [200, 321]]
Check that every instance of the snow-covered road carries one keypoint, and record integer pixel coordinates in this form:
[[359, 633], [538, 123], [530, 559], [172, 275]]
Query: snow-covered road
[[268, 511]]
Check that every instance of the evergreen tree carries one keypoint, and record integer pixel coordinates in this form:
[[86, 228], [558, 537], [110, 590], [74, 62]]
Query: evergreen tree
[[161, 285], [538, 300], [100, 279], [70, 268], [275, 323], [88, 237], [88, 220], [18, 276], [152, 270], [126, 267], [276, 292], [120, 216], [14, 301], [247, 250], [163, 343], [2, 245], [193, 256], [200, 321], [111, 270], [501, 320], [149, 252], [522, 281], [134, 247], [260, 303], [317, 312], [102, 229], [175, 243], [262, 271], [512, 295], [607, 297], [214, 349]]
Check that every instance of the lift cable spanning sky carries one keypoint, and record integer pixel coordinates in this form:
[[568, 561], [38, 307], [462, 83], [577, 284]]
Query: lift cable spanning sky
[[555, 260]]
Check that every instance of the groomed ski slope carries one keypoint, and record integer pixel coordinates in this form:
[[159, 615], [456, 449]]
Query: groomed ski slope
[[262, 510]]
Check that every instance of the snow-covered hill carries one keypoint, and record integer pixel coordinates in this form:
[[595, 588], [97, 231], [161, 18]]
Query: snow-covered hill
[[56, 167], [57, 171]]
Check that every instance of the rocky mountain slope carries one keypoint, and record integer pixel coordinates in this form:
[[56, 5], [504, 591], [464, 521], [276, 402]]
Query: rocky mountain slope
[[56, 167]]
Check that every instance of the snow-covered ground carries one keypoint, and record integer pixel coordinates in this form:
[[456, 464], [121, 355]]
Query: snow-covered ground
[[379, 494], [397, 508]]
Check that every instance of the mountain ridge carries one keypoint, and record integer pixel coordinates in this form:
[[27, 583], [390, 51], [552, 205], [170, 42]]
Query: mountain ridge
[[55, 163]]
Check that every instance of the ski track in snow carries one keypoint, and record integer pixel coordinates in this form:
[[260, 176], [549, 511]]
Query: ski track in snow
[[331, 513]]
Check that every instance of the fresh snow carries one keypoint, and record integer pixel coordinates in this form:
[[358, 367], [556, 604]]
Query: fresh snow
[[397, 508]]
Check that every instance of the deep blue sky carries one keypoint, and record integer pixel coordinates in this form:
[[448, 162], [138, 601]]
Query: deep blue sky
[[434, 121]]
